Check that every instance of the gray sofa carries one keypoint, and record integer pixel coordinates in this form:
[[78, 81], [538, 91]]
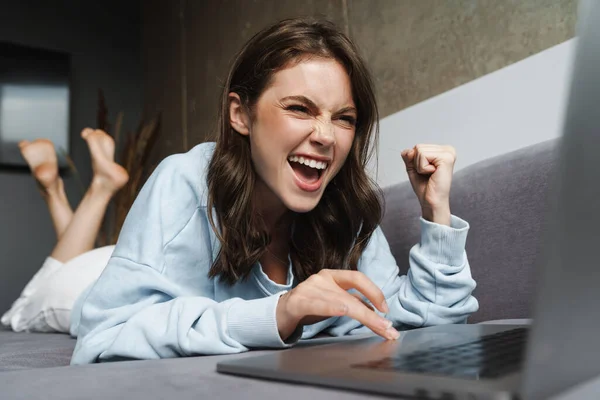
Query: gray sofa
[[502, 198]]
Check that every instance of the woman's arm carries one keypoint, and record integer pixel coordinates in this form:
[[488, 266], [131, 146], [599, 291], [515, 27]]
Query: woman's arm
[[438, 286], [154, 298], [437, 289], [134, 312]]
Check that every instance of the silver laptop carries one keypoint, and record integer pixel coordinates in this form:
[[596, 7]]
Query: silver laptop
[[557, 352]]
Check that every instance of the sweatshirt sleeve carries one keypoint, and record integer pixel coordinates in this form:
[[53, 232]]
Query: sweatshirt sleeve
[[437, 288], [154, 298]]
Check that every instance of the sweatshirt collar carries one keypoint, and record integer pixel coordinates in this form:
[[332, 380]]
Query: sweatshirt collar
[[267, 285]]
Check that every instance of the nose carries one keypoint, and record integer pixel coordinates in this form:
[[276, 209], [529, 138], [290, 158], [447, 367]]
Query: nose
[[323, 134]]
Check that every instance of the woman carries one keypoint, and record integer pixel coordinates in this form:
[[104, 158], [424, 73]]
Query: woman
[[255, 241], [271, 234]]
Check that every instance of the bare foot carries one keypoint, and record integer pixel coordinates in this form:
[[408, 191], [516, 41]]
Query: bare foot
[[41, 158], [108, 175]]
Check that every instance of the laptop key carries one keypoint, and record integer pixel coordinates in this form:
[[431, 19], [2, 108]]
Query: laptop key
[[489, 357]]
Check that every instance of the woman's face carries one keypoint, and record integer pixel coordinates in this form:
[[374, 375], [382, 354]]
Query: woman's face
[[302, 131]]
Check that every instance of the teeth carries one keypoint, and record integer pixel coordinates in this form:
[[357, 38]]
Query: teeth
[[308, 162]]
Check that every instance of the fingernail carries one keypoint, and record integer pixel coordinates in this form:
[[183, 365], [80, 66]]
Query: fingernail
[[393, 334], [385, 307], [386, 324]]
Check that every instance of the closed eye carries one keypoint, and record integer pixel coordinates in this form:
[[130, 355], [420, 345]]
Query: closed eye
[[349, 119], [298, 108]]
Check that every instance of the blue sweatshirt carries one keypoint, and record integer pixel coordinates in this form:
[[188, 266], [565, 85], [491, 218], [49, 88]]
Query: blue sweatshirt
[[155, 299]]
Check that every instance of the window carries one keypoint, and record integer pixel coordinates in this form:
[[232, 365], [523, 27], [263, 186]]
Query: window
[[34, 100]]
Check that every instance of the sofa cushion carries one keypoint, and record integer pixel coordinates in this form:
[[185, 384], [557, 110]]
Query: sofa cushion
[[34, 350], [504, 201]]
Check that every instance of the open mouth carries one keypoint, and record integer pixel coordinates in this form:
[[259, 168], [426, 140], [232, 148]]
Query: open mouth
[[306, 169]]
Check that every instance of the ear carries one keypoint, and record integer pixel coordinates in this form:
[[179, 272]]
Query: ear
[[238, 118]]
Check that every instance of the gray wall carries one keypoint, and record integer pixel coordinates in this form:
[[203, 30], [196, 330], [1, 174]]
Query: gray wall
[[416, 49], [187, 46], [103, 40], [514, 107]]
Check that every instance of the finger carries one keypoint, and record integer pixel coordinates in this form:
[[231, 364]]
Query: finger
[[408, 154], [322, 301], [422, 164], [316, 300], [437, 154], [357, 280], [406, 151], [330, 303], [408, 157], [359, 298], [327, 304], [444, 156], [366, 316]]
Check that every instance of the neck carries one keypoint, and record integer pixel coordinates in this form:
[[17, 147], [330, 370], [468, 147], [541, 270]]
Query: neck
[[274, 213], [277, 219]]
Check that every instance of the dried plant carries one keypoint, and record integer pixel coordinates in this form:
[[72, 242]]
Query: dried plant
[[72, 168], [133, 155]]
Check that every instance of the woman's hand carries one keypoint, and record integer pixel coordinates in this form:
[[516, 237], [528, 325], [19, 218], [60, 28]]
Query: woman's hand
[[325, 295], [430, 169]]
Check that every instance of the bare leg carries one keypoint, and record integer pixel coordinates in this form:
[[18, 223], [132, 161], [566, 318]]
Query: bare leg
[[41, 158], [109, 177]]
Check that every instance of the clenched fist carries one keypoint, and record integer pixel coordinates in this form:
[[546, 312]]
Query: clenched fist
[[430, 168]]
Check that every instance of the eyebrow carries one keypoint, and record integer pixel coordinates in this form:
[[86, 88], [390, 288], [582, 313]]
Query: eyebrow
[[312, 104]]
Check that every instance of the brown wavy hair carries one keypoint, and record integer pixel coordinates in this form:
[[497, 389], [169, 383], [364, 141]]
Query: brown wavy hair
[[334, 234]]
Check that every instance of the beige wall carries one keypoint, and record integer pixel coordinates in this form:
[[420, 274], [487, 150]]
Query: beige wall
[[415, 48]]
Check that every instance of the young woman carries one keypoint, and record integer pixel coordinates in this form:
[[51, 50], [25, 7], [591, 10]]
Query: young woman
[[46, 302], [271, 234]]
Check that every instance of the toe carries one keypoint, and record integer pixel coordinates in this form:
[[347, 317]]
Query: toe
[[86, 132]]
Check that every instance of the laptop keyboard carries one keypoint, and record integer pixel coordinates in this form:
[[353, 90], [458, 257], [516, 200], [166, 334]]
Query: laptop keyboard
[[492, 356]]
